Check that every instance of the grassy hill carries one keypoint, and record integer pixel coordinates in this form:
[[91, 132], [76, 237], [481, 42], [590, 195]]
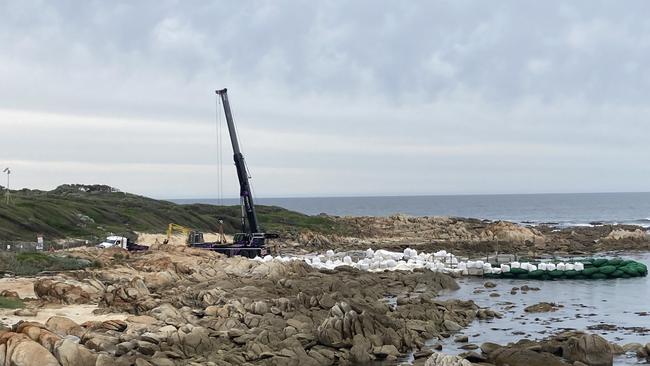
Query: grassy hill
[[91, 212]]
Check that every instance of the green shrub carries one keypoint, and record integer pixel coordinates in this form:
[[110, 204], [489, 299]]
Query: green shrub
[[10, 303]]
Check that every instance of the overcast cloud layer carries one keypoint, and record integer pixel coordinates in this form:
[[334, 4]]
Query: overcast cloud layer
[[330, 97]]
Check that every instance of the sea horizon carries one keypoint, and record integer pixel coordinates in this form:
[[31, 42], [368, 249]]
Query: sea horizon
[[561, 209]]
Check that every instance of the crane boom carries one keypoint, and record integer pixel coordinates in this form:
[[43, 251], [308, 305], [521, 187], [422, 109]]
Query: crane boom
[[245, 193]]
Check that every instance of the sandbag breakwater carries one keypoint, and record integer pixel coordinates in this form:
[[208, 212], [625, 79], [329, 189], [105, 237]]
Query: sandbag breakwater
[[593, 269], [444, 262]]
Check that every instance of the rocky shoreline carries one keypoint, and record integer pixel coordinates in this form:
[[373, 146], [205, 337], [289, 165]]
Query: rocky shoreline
[[180, 306], [466, 236], [188, 306]]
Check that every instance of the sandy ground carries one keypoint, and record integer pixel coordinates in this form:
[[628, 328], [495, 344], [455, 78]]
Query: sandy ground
[[177, 239], [25, 289], [23, 286], [78, 313]]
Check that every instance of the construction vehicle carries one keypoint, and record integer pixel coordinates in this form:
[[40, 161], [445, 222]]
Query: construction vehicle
[[191, 236], [251, 241], [114, 241]]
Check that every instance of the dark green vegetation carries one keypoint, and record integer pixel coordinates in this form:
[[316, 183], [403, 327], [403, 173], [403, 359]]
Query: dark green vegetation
[[10, 303], [92, 212], [31, 263]]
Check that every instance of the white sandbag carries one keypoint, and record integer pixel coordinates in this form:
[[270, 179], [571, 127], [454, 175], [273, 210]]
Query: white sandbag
[[550, 267], [329, 253], [542, 266], [505, 268], [462, 266], [515, 265], [370, 253], [560, 266], [347, 260], [570, 267], [579, 266]]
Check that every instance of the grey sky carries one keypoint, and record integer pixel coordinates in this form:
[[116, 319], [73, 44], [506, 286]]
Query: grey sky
[[331, 97]]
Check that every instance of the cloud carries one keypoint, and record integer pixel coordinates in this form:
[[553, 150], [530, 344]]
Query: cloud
[[466, 97]]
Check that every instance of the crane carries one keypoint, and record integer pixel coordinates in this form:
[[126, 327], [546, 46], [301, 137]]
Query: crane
[[251, 241], [251, 231]]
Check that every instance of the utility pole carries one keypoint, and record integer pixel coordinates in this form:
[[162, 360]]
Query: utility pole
[[7, 192]]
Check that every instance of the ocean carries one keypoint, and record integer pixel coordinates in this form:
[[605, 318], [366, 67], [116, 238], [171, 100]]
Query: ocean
[[564, 210]]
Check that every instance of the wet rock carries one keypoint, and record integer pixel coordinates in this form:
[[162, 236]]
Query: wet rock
[[616, 349], [452, 326], [528, 288], [489, 284], [469, 347], [386, 351], [461, 339], [522, 356], [423, 353], [542, 307], [473, 357], [484, 314], [632, 347], [591, 349]]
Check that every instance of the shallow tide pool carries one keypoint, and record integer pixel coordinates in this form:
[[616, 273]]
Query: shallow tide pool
[[615, 309]]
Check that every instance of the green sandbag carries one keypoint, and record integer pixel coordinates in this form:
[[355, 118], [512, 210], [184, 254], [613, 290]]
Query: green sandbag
[[507, 275], [617, 274], [598, 276], [556, 273], [590, 271], [535, 274], [625, 275], [580, 277], [607, 269], [625, 263], [599, 262], [630, 269], [522, 276], [518, 271], [643, 268], [571, 273], [615, 262]]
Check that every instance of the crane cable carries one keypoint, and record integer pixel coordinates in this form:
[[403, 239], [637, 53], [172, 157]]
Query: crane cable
[[219, 153]]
